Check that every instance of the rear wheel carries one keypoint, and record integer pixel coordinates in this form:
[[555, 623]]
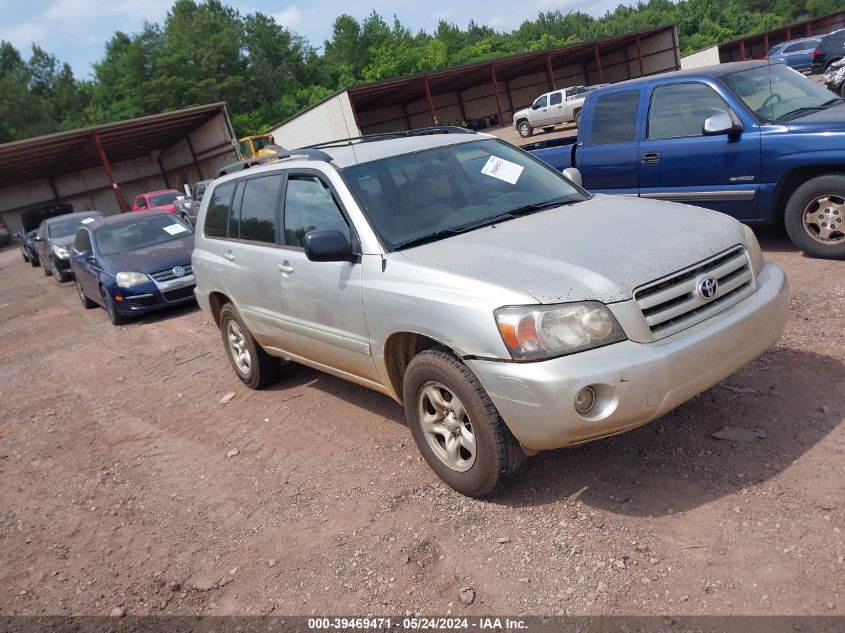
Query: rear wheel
[[111, 309], [255, 367], [815, 217], [86, 302], [524, 128], [456, 427]]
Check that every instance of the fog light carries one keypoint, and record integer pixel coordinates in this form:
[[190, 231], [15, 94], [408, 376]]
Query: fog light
[[584, 400]]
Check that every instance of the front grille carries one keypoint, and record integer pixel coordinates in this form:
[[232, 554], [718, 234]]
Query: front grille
[[181, 293], [672, 304], [167, 275], [139, 301]]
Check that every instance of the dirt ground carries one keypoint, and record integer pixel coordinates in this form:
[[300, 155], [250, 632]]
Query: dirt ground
[[117, 490]]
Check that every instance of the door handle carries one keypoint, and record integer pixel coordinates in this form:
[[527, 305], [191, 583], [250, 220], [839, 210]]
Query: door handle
[[650, 158], [229, 256], [285, 267]]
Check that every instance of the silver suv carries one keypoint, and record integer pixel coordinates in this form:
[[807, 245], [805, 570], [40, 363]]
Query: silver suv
[[506, 308]]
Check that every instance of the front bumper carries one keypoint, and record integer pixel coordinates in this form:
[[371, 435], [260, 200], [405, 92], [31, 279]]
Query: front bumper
[[153, 296], [635, 382]]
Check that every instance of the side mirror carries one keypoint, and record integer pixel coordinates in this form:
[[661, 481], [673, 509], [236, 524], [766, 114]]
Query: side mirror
[[721, 123], [574, 175], [328, 246]]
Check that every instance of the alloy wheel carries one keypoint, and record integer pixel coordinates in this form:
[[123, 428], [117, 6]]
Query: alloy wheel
[[238, 347], [824, 219], [446, 426]]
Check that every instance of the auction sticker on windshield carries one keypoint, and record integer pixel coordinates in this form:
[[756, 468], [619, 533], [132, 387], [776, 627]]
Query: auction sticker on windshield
[[502, 169], [87, 220], [175, 229]]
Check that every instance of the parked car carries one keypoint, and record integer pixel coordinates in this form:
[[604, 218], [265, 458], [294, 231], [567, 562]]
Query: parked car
[[187, 207], [558, 106], [831, 49], [508, 309], [797, 54], [54, 239], [30, 221], [757, 141], [5, 236], [133, 264], [163, 200]]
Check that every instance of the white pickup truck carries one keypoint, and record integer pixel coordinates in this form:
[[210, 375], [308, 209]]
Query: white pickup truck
[[558, 106]]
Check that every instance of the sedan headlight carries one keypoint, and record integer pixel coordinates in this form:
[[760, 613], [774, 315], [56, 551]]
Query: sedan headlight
[[754, 251], [538, 332], [60, 252], [127, 280]]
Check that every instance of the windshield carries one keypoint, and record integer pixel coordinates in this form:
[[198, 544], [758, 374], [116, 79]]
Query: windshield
[[777, 93], [69, 226], [430, 194], [140, 234], [163, 198], [260, 143]]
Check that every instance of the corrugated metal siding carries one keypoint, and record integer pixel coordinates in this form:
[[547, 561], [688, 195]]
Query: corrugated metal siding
[[706, 57], [332, 119]]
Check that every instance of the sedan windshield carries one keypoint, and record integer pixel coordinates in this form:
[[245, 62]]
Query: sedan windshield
[[775, 92], [444, 191], [163, 199], [147, 232], [69, 226]]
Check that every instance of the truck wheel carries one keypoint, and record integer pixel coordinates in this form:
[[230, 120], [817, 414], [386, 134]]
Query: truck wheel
[[577, 117], [255, 367], [524, 128], [815, 217], [456, 426]]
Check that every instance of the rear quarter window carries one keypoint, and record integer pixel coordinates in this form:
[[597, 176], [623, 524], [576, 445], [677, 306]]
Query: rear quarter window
[[615, 118], [219, 208]]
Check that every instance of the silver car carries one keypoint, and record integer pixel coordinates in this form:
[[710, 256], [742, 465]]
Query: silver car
[[507, 309]]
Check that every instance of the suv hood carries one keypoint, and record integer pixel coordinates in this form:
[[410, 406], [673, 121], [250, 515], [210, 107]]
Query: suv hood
[[600, 249]]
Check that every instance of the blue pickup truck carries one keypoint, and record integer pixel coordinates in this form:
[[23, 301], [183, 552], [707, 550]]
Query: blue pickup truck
[[757, 141]]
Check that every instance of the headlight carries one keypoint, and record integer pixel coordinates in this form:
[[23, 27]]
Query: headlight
[[537, 332], [60, 252], [127, 280], [754, 251]]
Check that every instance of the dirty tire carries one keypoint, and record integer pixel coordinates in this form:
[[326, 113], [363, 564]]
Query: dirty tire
[[829, 185], [83, 299], [111, 309], [263, 368], [498, 459], [524, 128]]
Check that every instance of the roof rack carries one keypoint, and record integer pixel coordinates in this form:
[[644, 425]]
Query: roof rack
[[310, 154], [381, 136]]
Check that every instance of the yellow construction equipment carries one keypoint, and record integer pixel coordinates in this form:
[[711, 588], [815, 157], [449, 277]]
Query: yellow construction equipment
[[257, 145]]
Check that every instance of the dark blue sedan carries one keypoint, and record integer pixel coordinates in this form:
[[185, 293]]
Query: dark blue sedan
[[134, 263]]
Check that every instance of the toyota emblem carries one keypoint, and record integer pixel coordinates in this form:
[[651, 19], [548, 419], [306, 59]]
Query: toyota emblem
[[178, 271], [707, 288]]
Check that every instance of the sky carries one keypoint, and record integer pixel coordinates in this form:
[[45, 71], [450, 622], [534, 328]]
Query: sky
[[76, 31]]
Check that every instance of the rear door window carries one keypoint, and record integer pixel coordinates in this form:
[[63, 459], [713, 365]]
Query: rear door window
[[258, 208], [615, 118], [217, 216], [555, 98]]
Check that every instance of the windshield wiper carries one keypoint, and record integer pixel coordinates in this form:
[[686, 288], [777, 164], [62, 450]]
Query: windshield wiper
[[525, 209], [823, 106]]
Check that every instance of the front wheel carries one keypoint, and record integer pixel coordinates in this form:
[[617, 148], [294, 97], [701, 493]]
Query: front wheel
[[815, 217], [255, 367], [456, 426], [111, 309], [524, 128], [577, 118], [58, 275]]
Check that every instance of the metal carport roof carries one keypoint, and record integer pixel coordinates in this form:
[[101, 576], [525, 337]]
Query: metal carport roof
[[55, 154]]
